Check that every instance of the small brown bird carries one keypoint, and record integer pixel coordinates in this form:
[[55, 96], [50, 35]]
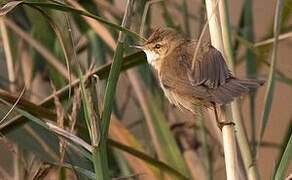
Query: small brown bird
[[207, 84]]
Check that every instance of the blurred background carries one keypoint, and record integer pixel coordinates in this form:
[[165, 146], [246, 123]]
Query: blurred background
[[36, 42]]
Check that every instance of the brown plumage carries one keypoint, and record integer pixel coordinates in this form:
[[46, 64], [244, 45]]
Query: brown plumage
[[210, 82]]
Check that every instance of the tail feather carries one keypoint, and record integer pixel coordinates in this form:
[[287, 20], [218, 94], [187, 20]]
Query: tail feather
[[233, 88]]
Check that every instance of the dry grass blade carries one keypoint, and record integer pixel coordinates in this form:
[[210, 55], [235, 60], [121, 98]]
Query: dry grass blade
[[8, 7], [76, 105], [272, 40], [95, 131], [59, 109], [60, 121], [11, 109], [70, 136]]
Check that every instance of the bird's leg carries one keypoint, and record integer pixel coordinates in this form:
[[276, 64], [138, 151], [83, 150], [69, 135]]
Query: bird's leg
[[220, 124]]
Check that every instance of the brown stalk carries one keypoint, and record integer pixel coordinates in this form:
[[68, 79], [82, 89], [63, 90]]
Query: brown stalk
[[95, 131], [60, 122], [69, 135], [76, 105]]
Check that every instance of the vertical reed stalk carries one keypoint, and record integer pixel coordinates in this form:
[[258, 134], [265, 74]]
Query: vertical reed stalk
[[229, 143], [251, 170]]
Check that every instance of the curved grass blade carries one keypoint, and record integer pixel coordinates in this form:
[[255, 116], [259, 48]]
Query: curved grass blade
[[39, 47], [271, 80], [61, 39]]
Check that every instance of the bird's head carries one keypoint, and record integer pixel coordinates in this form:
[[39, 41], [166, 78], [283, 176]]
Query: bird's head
[[159, 44]]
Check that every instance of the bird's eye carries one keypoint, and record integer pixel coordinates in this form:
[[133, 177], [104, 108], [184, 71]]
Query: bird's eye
[[157, 46]]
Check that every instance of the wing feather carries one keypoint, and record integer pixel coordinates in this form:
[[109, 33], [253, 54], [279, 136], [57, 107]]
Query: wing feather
[[210, 68]]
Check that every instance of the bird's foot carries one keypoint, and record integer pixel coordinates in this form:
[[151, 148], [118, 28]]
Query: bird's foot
[[221, 124]]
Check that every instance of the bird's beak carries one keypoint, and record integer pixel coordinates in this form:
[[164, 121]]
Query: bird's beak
[[137, 46]]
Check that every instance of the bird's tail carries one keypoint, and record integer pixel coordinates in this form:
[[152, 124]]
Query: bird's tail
[[233, 88]]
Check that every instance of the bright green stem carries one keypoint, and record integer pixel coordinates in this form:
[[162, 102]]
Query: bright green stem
[[110, 90], [101, 169]]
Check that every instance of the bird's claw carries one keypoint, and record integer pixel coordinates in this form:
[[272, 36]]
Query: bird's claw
[[221, 124]]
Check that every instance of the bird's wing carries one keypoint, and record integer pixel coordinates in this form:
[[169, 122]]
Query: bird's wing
[[173, 75], [210, 68], [183, 87]]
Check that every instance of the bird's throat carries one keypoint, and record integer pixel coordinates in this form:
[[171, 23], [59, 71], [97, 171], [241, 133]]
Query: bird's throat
[[153, 59]]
